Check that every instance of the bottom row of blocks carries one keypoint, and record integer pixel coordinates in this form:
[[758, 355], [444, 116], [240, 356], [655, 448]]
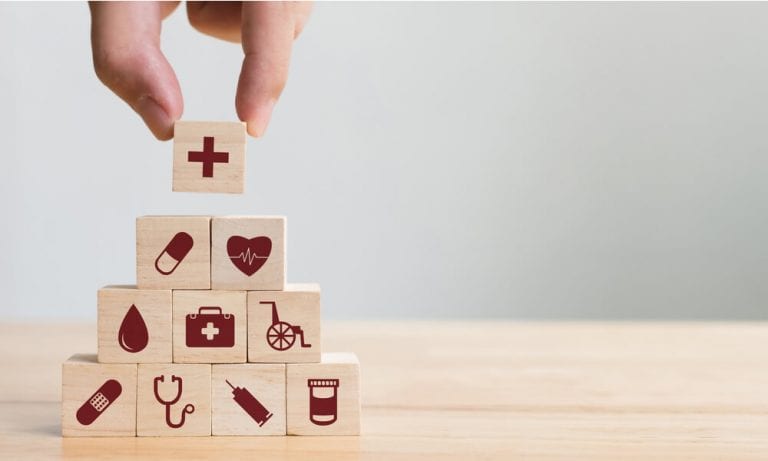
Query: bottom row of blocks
[[101, 399]]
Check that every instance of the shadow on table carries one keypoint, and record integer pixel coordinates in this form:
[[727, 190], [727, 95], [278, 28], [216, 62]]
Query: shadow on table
[[38, 425], [267, 447]]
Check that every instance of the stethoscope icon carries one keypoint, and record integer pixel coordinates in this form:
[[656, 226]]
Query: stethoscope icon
[[188, 408]]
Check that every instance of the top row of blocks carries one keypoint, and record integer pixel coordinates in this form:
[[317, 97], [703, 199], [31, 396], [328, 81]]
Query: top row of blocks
[[204, 252], [209, 157]]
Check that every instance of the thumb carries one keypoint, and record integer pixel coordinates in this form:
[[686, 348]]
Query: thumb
[[125, 38]]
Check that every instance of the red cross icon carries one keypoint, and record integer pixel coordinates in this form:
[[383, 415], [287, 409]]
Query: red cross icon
[[209, 331], [208, 157]]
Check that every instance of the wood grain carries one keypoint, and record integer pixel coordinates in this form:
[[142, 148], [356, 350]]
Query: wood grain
[[463, 390], [195, 390], [298, 306], [341, 369], [189, 302], [83, 376], [154, 306], [226, 177], [153, 234], [224, 273], [265, 382]]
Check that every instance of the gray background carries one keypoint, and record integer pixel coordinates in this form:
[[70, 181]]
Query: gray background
[[434, 160]]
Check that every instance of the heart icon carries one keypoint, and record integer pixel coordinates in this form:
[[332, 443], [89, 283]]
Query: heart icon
[[249, 255]]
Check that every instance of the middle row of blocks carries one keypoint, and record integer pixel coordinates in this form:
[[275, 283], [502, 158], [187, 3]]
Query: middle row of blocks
[[209, 326]]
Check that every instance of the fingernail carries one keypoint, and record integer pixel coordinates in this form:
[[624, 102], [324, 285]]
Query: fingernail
[[257, 126], [155, 117]]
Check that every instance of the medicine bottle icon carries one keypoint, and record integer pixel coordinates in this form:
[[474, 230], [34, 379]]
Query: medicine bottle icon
[[323, 401]]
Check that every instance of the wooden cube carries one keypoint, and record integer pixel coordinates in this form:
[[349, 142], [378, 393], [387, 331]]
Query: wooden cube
[[209, 326], [248, 399], [134, 326], [248, 253], [324, 398], [174, 399], [284, 326], [209, 157], [97, 399], [173, 252]]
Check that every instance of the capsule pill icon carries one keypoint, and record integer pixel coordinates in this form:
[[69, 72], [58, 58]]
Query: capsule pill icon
[[174, 253]]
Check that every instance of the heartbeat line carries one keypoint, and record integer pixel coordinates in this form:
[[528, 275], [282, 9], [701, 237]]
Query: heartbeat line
[[248, 257]]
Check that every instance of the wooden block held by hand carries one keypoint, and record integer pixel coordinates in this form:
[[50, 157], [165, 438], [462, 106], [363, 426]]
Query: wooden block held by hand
[[209, 326], [324, 398], [97, 399], [248, 253], [284, 326], [209, 157], [174, 399], [173, 252], [248, 399], [134, 326]]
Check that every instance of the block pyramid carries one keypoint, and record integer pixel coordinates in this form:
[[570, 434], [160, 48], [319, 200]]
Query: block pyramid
[[211, 340]]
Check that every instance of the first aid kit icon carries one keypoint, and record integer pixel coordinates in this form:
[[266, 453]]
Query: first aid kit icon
[[210, 327]]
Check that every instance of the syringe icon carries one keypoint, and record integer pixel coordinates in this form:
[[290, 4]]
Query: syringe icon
[[248, 402]]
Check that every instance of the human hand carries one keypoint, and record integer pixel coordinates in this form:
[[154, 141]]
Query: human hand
[[125, 37]]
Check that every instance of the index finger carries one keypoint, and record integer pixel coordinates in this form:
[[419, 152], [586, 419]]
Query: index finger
[[268, 31]]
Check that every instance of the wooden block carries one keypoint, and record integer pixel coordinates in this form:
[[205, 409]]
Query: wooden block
[[284, 326], [159, 385], [248, 399], [209, 326], [324, 398], [134, 326], [173, 252], [97, 399], [209, 157], [248, 253]]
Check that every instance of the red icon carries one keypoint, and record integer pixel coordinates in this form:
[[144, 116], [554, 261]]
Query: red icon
[[173, 253], [250, 404], [323, 405], [282, 335], [208, 157], [133, 335], [210, 330], [249, 255], [188, 408], [99, 402]]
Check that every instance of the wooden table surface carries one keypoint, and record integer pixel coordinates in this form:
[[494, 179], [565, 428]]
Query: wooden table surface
[[463, 390]]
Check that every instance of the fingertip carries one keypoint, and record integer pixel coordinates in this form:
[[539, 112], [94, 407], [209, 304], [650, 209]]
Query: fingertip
[[258, 90], [267, 34], [157, 119], [256, 115]]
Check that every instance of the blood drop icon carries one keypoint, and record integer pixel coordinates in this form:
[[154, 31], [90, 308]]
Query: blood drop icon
[[133, 335]]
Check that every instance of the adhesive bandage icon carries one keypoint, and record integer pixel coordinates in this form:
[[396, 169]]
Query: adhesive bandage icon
[[99, 402], [174, 253]]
